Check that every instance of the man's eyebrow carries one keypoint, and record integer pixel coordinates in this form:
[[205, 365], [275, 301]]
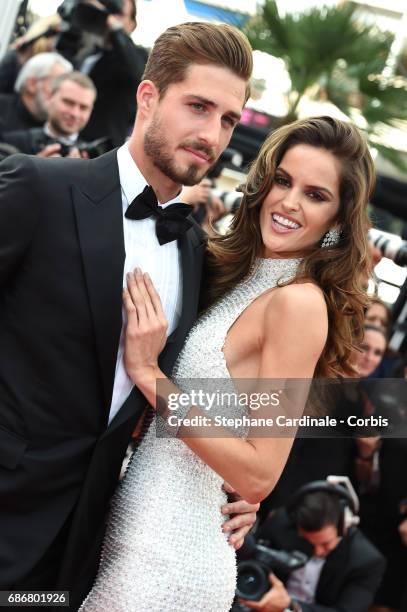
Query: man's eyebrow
[[213, 104], [317, 187]]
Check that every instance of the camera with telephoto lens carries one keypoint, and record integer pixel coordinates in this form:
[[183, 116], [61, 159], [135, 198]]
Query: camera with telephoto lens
[[81, 18], [253, 574], [391, 246]]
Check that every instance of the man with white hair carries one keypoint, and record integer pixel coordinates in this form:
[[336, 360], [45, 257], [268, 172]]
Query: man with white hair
[[27, 108]]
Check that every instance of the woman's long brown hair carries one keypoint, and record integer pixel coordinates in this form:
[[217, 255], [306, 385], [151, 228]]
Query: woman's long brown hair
[[340, 271]]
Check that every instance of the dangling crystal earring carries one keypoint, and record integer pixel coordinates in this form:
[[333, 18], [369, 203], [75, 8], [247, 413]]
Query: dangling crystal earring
[[331, 238]]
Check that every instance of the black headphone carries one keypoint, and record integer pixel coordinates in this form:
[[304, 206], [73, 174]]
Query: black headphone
[[349, 508]]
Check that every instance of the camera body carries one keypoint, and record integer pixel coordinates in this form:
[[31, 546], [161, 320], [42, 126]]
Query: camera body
[[253, 574], [39, 140]]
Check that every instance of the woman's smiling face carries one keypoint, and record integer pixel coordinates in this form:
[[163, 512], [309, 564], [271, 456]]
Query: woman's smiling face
[[303, 202]]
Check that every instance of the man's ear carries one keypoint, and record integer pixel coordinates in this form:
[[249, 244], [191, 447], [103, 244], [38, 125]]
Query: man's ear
[[30, 85], [147, 97]]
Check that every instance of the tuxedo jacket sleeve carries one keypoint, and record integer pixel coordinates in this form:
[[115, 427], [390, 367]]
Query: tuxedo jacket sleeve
[[19, 212]]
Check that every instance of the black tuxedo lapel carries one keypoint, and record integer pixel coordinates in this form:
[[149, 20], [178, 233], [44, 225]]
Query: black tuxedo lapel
[[99, 215]]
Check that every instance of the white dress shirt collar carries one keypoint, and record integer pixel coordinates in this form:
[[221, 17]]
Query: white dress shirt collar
[[68, 140]]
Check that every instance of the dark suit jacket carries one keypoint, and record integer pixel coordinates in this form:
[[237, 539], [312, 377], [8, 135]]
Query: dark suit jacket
[[14, 115], [9, 69], [61, 265], [351, 574]]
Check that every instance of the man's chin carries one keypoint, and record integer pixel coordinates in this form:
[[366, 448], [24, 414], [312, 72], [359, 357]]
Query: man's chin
[[190, 176], [194, 175]]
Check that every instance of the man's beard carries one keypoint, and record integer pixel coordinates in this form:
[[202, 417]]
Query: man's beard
[[58, 128], [156, 146], [40, 107]]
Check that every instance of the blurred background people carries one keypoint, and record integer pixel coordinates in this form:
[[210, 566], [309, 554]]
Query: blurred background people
[[378, 475], [28, 107], [70, 104], [342, 569], [378, 314], [371, 350]]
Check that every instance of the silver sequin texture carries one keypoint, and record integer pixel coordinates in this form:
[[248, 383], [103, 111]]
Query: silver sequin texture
[[164, 550]]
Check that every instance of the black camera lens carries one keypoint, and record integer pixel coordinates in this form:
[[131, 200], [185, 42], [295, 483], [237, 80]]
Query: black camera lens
[[252, 581]]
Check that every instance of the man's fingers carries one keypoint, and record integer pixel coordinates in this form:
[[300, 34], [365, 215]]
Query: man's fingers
[[228, 488], [253, 605], [239, 521], [237, 537], [274, 580], [51, 150], [240, 507]]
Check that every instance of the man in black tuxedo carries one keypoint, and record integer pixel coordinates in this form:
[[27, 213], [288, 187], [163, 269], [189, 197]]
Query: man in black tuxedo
[[68, 407]]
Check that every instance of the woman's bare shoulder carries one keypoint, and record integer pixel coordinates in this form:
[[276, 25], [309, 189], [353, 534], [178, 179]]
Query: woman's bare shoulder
[[306, 296], [298, 306]]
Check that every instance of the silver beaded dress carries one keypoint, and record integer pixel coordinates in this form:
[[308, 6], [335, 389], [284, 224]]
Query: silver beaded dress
[[164, 549]]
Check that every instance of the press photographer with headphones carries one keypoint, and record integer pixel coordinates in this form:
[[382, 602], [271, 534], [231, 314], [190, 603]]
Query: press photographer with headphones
[[343, 570]]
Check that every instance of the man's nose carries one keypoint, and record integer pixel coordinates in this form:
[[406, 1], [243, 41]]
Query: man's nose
[[210, 133]]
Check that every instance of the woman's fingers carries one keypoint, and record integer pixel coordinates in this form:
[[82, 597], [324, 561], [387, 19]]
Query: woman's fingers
[[137, 297], [146, 300], [154, 297], [141, 285]]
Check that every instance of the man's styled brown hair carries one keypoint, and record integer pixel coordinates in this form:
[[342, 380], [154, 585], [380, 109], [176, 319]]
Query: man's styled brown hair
[[198, 43]]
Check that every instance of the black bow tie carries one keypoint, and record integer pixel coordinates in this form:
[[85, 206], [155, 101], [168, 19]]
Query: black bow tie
[[171, 222]]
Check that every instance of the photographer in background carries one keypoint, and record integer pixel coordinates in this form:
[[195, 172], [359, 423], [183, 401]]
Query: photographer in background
[[28, 107], [97, 40], [344, 569], [70, 105], [39, 38]]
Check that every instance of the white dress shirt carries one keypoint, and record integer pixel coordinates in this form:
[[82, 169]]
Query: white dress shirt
[[162, 262], [302, 583]]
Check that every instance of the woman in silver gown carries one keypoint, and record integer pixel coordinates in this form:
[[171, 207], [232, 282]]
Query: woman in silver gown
[[286, 298]]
